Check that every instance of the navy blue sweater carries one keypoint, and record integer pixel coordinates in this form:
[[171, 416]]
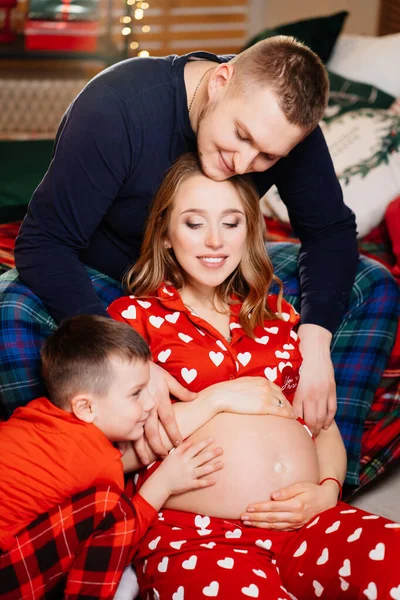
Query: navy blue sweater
[[112, 149]]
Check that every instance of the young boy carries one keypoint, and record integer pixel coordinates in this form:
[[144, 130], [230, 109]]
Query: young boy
[[66, 527]]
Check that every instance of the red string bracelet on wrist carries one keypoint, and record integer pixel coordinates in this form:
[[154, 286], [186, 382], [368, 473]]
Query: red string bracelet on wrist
[[337, 481]]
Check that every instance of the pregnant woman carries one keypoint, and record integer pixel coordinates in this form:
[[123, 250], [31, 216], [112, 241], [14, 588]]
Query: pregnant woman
[[271, 526]]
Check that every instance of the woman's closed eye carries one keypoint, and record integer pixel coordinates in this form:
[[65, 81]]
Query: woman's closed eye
[[194, 225]]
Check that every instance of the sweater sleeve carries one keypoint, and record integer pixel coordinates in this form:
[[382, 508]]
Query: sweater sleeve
[[328, 256], [91, 159], [145, 516]]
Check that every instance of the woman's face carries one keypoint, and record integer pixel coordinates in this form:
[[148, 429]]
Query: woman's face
[[207, 231]]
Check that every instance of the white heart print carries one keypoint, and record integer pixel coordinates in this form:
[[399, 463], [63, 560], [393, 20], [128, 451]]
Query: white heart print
[[185, 338], [129, 313], [226, 563], [154, 543], [236, 533], [280, 354], [190, 563], [177, 545], [156, 321], [271, 374], [210, 545], [300, 550], [216, 357], [318, 588], [201, 522], [395, 593], [167, 292], [282, 365], [288, 347], [211, 590], [324, 557], [293, 335], [265, 544], [371, 592], [188, 375], [220, 344], [273, 330], [164, 355], [172, 318], [334, 527], [163, 565], [179, 594], [378, 553], [345, 570], [244, 358], [263, 340], [344, 585], [144, 304], [260, 573], [251, 591], [355, 535]]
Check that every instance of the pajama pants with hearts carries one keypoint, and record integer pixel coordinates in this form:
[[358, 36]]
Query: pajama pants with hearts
[[343, 553]]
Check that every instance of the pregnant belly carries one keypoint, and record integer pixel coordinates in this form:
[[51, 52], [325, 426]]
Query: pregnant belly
[[262, 453]]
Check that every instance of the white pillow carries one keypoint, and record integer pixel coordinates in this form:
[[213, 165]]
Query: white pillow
[[364, 145], [369, 59]]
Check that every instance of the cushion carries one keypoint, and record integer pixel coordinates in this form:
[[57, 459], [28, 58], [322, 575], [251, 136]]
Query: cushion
[[346, 95], [369, 59], [22, 166], [365, 148], [319, 33]]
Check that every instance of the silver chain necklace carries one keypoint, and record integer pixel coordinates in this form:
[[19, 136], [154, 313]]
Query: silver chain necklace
[[198, 87]]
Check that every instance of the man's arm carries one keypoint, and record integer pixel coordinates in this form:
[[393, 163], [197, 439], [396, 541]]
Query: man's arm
[[92, 157], [328, 256], [328, 260]]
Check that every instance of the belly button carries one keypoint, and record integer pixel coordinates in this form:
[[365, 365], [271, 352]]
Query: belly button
[[279, 467]]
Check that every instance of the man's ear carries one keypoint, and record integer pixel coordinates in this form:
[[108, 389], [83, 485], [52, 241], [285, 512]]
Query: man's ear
[[82, 406], [219, 79]]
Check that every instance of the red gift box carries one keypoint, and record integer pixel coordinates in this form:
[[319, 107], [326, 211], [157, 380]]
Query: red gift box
[[62, 36]]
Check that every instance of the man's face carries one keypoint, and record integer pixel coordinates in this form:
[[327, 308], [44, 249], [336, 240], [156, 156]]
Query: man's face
[[243, 133]]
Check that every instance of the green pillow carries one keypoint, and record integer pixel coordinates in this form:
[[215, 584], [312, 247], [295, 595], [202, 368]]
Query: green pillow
[[346, 95], [319, 34], [22, 166]]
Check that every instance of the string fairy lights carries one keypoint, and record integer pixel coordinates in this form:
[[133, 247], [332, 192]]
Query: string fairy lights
[[135, 12]]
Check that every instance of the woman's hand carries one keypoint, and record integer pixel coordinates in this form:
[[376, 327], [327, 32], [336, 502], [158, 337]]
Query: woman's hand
[[161, 385], [291, 507], [251, 396], [315, 397]]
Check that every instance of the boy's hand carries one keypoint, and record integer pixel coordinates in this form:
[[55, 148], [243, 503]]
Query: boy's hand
[[188, 466]]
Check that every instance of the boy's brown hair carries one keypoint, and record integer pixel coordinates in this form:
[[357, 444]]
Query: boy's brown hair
[[76, 357], [292, 71]]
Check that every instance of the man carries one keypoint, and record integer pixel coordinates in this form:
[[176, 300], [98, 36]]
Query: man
[[258, 113]]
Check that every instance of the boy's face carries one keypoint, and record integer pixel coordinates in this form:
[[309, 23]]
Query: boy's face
[[122, 412]]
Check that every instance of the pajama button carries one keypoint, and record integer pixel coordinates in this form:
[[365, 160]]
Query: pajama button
[[231, 377]]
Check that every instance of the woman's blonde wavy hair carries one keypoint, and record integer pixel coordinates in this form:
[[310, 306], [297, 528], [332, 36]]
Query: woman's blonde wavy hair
[[249, 282]]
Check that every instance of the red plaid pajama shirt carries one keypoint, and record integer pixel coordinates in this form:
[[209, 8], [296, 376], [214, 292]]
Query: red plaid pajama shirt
[[78, 549]]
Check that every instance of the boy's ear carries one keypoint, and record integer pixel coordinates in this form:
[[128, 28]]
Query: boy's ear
[[82, 406]]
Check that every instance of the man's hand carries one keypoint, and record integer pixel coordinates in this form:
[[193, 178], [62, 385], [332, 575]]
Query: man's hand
[[315, 398], [291, 507], [161, 385]]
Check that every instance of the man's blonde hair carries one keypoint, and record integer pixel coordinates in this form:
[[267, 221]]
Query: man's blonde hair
[[292, 71]]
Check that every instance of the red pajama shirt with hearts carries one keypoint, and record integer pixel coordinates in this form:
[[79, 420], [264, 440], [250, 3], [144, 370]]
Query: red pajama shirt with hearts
[[342, 553]]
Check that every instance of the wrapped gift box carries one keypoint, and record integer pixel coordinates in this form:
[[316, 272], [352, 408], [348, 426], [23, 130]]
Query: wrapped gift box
[[64, 10], [62, 36]]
